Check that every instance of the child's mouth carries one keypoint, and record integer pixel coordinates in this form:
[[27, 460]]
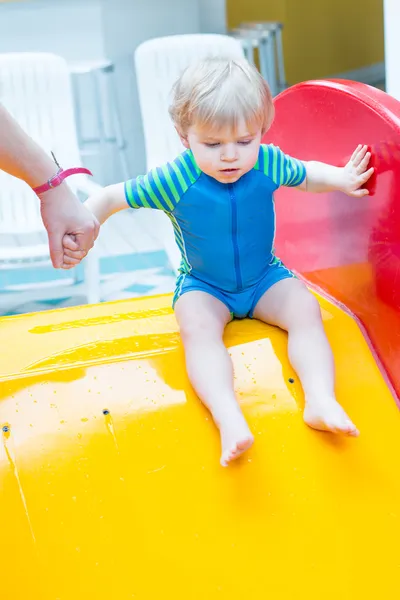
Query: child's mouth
[[229, 170]]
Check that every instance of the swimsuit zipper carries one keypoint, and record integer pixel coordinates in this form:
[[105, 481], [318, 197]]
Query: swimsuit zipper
[[239, 283]]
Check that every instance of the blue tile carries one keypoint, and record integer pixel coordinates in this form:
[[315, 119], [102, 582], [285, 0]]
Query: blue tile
[[133, 262], [108, 265], [142, 290], [156, 261]]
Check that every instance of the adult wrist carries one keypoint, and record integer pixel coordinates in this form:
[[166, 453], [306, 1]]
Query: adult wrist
[[58, 178]]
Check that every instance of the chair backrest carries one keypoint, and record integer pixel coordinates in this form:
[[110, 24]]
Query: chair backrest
[[159, 62], [36, 89]]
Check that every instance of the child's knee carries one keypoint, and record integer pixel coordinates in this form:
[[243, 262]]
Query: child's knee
[[198, 329], [308, 308], [190, 329]]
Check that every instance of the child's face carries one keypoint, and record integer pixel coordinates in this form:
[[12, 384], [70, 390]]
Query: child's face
[[225, 155]]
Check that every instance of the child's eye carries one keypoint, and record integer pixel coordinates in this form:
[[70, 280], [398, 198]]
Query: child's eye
[[245, 142], [212, 145]]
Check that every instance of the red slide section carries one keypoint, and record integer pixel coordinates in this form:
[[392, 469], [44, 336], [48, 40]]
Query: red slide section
[[348, 247]]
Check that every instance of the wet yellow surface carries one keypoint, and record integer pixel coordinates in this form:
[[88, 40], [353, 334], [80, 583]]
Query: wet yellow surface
[[110, 483]]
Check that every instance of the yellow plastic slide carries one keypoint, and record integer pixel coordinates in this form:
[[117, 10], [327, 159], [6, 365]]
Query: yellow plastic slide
[[111, 487]]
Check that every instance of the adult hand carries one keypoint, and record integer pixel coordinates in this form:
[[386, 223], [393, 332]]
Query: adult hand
[[63, 214]]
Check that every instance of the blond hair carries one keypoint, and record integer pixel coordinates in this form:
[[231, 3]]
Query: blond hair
[[219, 92]]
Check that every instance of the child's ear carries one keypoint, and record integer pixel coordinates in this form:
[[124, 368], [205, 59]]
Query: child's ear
[[183, 138]]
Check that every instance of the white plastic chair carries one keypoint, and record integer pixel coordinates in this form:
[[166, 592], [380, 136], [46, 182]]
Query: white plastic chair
[[35, 88], [159, 62]]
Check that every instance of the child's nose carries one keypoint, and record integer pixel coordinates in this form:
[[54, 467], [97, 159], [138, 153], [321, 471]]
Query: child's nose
[[229, 152]]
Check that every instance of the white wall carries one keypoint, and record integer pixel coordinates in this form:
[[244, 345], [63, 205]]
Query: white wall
[[65, 27], [127, 23], [212, 15], [392, 46]]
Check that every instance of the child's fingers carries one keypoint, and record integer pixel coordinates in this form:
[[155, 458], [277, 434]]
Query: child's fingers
[[366, 175], [70, 260], [364, 163], [69, 242], [360, 181], [360, 193], [79, 254], [360, 155], [356, 151], [67, 266]]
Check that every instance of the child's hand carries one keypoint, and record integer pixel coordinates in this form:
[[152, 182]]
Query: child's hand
[[356, 173], [72, 255]]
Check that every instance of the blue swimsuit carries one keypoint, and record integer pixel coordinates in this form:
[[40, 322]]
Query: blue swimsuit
[[225, 232]]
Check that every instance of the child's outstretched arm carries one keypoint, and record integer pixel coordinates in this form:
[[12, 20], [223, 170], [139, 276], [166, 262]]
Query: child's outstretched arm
[[102, 205], [107, 201], [322, 177]]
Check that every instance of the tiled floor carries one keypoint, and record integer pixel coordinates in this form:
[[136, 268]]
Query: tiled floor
[[132, 263]]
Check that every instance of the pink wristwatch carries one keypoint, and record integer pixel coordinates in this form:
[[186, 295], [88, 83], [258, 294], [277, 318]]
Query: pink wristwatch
[[59, 177]]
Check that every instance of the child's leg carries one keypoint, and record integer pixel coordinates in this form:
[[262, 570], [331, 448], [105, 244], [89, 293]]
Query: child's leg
[[202, 320], [289, 305]]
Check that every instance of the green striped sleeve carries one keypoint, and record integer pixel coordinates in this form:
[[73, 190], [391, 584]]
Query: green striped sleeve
[[280, 167], [162, 187]]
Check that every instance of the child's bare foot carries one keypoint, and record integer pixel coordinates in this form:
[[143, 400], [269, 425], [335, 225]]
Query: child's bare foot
[[236, 438], [327, 415]]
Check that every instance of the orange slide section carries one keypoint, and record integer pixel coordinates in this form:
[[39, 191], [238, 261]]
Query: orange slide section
[[110, 483]]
